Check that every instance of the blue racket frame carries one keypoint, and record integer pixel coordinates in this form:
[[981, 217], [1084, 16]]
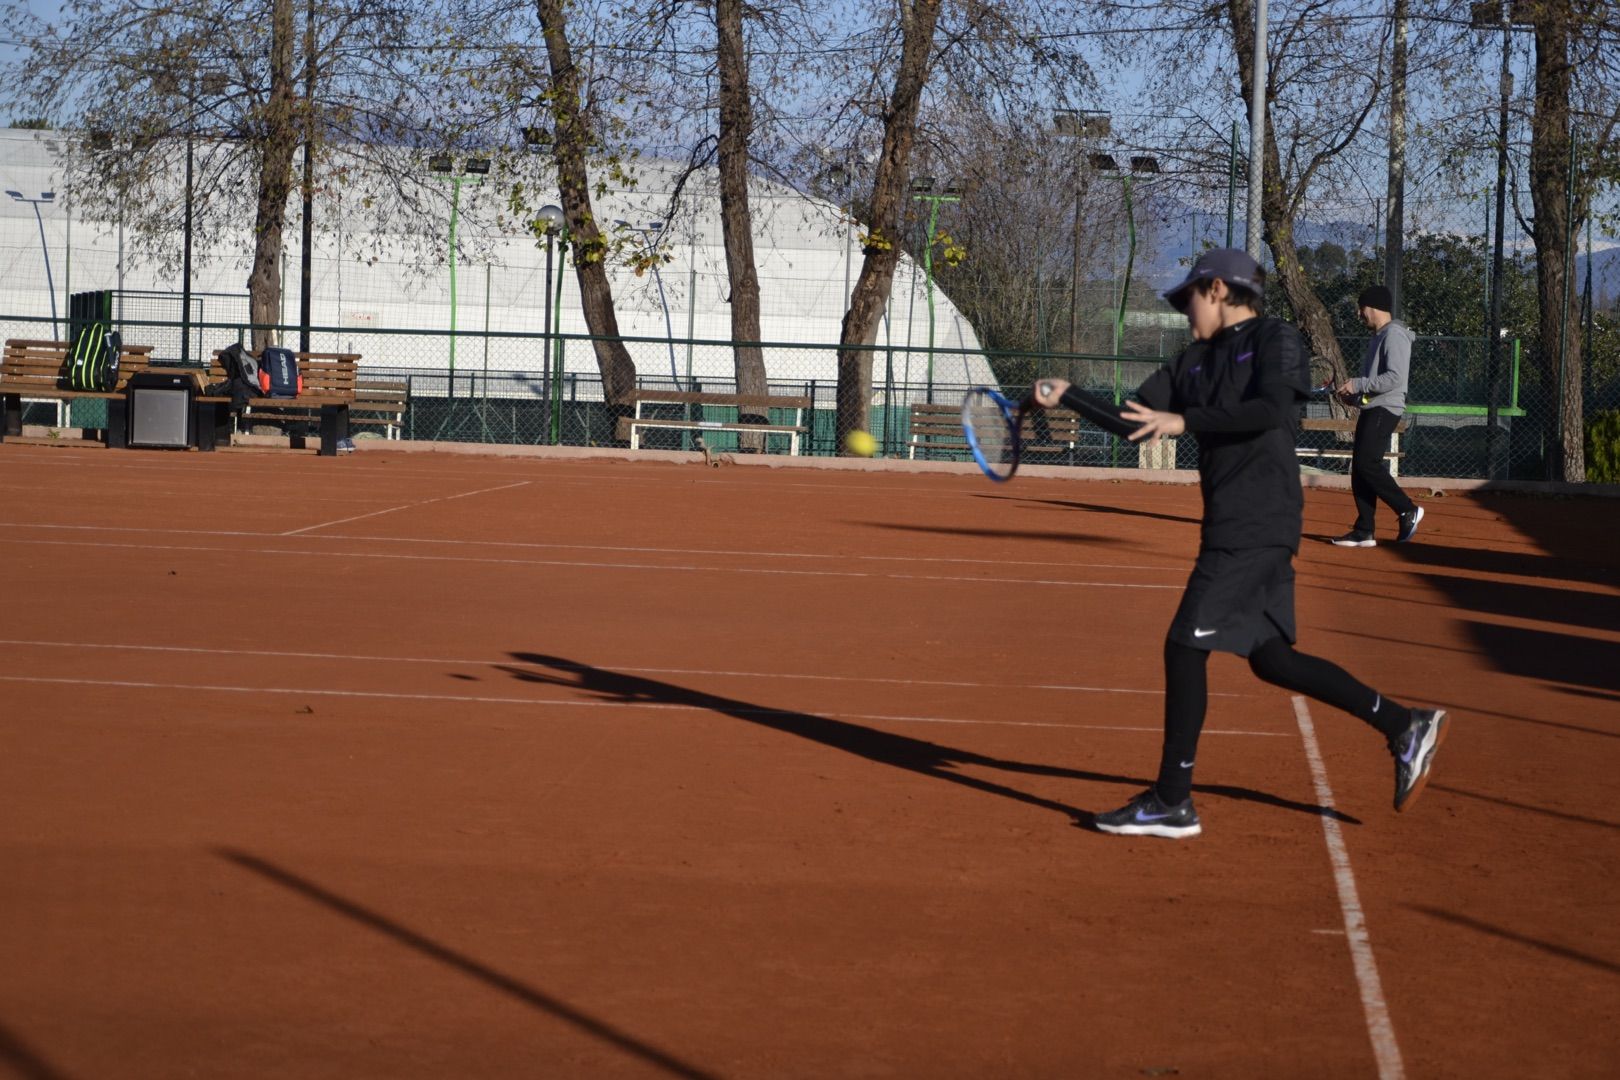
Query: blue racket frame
[[1009, 416]]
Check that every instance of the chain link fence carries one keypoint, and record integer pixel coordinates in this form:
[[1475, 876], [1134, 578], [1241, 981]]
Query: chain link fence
[[534, 389]]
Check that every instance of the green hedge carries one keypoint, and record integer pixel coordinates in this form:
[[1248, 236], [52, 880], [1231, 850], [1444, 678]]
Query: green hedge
[[1603, 448]]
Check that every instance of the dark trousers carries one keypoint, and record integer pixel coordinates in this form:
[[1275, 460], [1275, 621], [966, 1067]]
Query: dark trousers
[[1369, 472]]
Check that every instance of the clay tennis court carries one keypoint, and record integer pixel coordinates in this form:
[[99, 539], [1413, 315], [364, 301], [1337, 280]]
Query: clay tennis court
[[411, 764]]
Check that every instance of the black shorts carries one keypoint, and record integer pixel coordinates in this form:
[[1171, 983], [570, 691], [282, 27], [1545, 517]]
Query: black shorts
[[1237, 600]]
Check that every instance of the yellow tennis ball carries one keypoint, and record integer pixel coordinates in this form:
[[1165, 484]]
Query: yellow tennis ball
[[860, 443]]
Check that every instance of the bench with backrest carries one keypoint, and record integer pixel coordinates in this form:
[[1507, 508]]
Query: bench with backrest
[[687, 410], [1323, 437], [33, 370], [937, 426], [329, 394], [380, 403]]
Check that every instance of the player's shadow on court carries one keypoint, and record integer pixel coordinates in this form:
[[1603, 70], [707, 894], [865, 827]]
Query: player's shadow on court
[[901, 751]]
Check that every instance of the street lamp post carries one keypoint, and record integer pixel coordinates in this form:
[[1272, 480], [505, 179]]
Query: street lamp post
[[46, 197], [650, 234], [444, 167], [211, 83], [1085, 125], [1140, 164], [922, 189], [551, 220]]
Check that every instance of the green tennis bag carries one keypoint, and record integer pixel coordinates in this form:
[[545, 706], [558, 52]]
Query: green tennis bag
[[92, 362]]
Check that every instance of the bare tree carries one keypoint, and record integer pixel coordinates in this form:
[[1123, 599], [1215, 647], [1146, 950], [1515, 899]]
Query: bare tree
[[1575, 60], [280, 135], [881, 250], [142, 90], [1282, 196], [736, 222], [571, 145]]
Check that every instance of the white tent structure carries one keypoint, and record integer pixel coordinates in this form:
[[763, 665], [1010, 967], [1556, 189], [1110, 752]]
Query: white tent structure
[[365, 283]]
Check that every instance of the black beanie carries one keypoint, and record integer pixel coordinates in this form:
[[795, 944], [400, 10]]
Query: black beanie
[[1377, 297]]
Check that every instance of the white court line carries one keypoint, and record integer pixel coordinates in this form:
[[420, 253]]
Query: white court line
[[1380, 1029], [473, 699], [297, 553], [510, 662], [405, 506], [1180, 568]]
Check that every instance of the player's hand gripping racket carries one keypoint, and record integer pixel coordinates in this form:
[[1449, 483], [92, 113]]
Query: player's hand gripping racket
[[994, 425]]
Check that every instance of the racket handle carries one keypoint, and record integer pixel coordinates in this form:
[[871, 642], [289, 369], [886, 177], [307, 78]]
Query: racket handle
[[1102, 413]]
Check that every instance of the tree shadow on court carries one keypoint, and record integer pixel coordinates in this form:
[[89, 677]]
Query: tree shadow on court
[[900, 751], [996, 534], [1482, 927], [18, 1057], [1557, 815], [1096, 508], [514, 988], [1573, 543], [1548, 655]]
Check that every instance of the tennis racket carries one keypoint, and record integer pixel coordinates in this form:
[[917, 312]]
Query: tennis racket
[[994, 425]]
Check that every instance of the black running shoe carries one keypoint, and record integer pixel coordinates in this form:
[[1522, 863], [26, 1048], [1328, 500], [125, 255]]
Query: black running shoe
[[1409, 524], [1355, 538], [1146, 815], [1414, 753]]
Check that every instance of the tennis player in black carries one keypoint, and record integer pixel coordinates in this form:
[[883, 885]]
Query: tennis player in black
[[1237, 388]]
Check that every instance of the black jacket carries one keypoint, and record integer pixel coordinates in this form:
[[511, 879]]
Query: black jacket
[[1239, 393]]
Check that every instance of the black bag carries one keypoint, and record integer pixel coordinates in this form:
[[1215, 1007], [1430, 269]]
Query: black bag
[[92, 362], [241, 376], [278, 373]]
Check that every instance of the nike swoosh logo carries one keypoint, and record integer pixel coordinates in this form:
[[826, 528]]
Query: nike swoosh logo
[[1140, 816], [1186, 764], [1202, 633]]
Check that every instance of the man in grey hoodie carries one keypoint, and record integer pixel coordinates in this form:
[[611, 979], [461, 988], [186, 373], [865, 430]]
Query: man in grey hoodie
[[1381, 390]]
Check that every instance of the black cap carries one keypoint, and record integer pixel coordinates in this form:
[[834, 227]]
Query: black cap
[[1377, 297], [1229, 264]]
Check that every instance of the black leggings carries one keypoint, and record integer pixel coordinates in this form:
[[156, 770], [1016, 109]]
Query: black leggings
[[1186, 693], [1370, 480]]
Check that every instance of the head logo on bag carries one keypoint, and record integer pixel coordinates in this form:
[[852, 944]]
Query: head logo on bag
[[278, 373], [92, 362]]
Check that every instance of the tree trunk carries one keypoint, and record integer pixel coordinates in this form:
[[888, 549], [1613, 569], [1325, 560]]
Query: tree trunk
[[1276, 212], [882, 251], [736, 222], [571, 144], [280, 139], [1553, 231], [1395, 225]]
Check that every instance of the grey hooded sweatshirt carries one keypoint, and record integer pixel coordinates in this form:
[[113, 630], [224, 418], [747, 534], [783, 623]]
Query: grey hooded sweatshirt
[[1385, 367]]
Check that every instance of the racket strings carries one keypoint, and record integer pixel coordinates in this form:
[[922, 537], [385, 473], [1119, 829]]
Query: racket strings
[[991, 431]]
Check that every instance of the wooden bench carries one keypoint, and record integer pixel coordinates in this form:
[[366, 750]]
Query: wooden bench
[[32, 370], [629, 427], [380, 403], [937, 426], [331, 382], [1341, 432]]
